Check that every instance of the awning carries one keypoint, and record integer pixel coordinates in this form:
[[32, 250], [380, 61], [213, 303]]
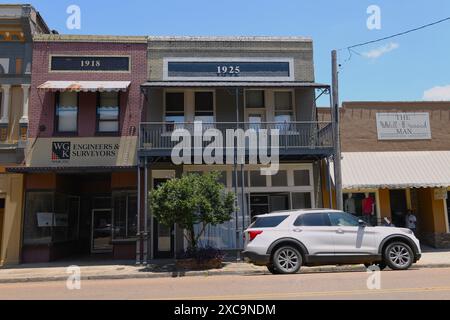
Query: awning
[[395, 170], [247, 84], [85, 86]]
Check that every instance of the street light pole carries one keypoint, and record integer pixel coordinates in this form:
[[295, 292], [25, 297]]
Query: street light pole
[[337, 139]]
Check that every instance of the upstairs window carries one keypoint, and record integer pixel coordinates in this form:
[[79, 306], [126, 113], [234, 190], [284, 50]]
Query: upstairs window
[[66, 112], [204, 107], [108, 112], [254, 99], [174, 109], [284, 111]]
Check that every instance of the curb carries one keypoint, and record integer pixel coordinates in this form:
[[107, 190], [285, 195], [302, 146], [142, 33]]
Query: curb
[[180, 274]]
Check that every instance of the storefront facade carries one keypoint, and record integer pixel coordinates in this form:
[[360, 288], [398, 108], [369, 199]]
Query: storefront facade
[[18, 24], [233, 83], [80, 172], [398, 153]]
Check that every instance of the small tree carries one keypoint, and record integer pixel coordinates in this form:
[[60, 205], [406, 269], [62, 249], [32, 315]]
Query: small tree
[[190, 200]]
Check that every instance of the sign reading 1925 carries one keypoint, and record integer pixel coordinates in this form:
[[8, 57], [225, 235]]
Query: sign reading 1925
[[228, 69], [90, 63]]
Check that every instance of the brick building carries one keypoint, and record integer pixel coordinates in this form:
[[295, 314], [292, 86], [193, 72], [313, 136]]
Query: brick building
[[398, 153], [80, 173], [18, 25]]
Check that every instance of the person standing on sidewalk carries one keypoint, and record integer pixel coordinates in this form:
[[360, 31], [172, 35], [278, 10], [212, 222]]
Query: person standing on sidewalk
[[411, 221]]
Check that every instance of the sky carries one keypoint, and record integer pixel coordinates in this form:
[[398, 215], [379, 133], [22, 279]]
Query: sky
[[412, 67]]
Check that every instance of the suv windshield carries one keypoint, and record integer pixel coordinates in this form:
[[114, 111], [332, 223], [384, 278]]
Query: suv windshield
[[268, 222]]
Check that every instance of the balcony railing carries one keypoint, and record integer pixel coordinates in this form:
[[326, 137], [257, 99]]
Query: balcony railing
[[311, 135]]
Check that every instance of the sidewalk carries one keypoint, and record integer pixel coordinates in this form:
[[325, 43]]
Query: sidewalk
[[166, 268]]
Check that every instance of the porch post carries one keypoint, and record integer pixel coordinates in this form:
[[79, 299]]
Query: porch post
[[145, 212], [138, 232], [5, 103]]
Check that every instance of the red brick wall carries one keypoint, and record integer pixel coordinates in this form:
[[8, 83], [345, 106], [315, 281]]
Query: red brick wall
[[41, 108]]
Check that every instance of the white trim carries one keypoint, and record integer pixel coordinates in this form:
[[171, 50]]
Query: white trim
[[166, 61]]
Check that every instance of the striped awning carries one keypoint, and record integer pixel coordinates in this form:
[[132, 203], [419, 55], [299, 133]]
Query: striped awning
[[85, 86], [395, 170]]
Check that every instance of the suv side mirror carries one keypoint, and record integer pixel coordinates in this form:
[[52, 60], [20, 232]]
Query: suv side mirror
[[362, 223]]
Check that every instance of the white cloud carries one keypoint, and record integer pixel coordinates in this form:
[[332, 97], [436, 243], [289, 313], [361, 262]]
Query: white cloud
[[438, 93], [378, 52]]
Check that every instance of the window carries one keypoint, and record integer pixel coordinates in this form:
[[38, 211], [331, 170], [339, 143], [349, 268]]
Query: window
[[283, 106], [174, 109], [108, 112], [280, 179], [254, 99], [312, 220], [301, 178], [301, 200], [268, 222], [257, 179], [125, 215], [67, 112], [342, 219], [204, 107]]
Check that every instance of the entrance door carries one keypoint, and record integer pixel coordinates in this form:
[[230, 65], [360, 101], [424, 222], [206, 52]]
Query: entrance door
[[279, 202], [101, 240], [398, 207], [163, 236]]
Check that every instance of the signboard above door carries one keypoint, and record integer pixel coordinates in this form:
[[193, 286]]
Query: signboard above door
[[403, 126], [90, 63], [228, 69]]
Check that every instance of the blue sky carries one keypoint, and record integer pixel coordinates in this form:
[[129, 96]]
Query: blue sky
[[411, 64]]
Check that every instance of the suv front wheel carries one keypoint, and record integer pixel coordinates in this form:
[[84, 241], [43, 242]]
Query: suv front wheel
[[287, 260], [398, 256]]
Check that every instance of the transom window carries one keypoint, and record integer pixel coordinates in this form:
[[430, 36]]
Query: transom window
[[108, 112], [284, 111], [66, 112]]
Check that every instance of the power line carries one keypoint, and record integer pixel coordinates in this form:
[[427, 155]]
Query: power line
[[397, 34]]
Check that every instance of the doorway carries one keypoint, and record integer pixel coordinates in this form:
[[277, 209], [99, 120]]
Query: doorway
[[163, 236], [101, 240], [398, 207]]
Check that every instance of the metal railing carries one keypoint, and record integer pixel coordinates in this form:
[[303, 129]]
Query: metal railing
[[304, 134]]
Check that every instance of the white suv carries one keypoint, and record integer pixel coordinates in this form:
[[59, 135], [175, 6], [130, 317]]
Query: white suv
[[284, 241]]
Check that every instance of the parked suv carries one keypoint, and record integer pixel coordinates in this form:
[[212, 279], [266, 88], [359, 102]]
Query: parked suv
[[285, 241]]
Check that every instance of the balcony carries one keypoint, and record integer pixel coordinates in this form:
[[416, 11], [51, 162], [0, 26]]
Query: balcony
[[295, 138]]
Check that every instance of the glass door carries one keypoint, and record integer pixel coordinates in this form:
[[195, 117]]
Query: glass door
[[101, 231]]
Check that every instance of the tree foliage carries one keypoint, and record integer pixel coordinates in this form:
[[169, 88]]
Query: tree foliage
[[190, 200]]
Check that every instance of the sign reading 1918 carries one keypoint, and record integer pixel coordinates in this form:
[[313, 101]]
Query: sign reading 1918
[[90, 63]]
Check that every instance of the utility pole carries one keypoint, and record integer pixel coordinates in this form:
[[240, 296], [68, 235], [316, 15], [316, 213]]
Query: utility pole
[[337, 139]]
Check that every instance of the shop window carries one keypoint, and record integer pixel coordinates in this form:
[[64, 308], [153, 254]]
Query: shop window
[[125, 215], [301, 200], [174, 109], [67, 112], [50, 217], [301, 178], [204, 107], [108, 112], [257, 179], [283, 106], [280, 179], [254, 99], [239, 179], [362, 205]]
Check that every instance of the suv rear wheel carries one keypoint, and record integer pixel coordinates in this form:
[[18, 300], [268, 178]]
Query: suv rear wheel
[[287, 260], [398, 256]]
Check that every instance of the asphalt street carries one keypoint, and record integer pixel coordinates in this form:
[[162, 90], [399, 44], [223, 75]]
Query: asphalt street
[[412, 284]]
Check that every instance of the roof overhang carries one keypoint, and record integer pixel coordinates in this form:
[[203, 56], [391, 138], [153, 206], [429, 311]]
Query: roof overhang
[[234, 84], [85, 86], [395, 170]]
